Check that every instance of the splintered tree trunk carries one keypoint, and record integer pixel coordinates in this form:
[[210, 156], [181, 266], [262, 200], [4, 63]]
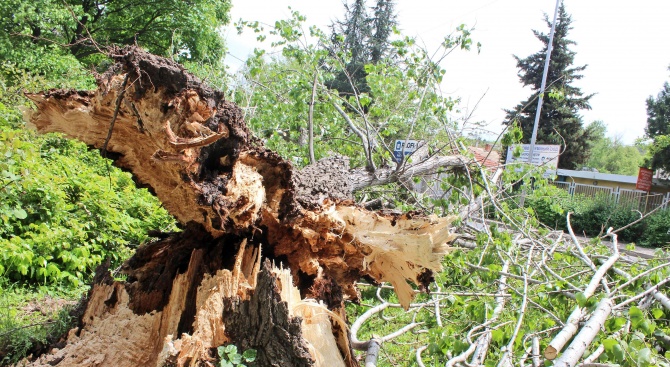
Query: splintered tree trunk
[[243, 210]]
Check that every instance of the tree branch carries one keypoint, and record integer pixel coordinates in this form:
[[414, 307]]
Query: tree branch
[[361, 178], [311, 120]]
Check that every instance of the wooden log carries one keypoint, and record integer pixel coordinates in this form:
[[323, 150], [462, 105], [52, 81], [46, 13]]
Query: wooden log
[[582, 340]]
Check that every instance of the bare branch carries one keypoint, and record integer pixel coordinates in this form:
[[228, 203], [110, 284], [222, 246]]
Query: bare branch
[[362, 178], [366, 146], [312, 160], [585, 337]]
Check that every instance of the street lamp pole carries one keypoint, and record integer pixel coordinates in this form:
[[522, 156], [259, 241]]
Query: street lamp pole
[[550, 47]]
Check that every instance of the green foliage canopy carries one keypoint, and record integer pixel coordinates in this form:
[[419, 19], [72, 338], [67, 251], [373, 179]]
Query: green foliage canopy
[[404, 97], [610, 155], [187, 29]]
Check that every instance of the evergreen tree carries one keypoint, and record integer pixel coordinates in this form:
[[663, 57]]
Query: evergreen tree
[[658, 128], [366, 38], [382, 24], [559, 122]]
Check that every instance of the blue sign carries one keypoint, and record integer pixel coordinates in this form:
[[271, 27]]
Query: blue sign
[[405, 148]]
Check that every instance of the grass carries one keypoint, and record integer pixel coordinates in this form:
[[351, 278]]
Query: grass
[[32, 317]]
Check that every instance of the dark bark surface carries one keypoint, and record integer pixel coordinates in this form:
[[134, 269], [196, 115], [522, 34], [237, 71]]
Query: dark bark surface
[[263, 323]]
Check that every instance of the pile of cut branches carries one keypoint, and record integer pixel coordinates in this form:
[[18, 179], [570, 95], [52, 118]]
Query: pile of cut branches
[[516, 296]]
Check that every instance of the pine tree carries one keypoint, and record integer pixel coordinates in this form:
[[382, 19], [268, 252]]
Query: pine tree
[[560, 122], [658, 128], [366, 38], [382, 24]]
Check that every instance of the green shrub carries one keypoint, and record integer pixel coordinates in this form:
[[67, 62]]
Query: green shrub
[[599, 213], [592, 216], [63, 208], [657, 229], [549, 204]]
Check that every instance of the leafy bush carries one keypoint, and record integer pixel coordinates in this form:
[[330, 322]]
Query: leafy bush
[[592, 216], [603, 212], [549, 204], [63, 208], [657, 229]]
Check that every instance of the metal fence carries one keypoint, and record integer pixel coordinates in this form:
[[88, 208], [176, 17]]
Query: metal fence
[[640, 200]]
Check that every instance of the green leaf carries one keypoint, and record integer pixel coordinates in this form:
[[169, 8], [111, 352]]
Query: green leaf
[[230, 348], [19, 213], [498, 335], [235, 358], [644, 357], [657, 313], [617, 352], [609, 344], [581, 299], [615, 323], [249, 355], [645, 326], [636, 316]]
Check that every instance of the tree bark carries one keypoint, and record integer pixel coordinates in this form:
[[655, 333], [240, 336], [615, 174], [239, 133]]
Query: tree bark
[[579, 344], [240, 206]]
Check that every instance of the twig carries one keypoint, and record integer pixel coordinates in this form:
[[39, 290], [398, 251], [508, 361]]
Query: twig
[[119, 98], [639, 219], [584, 256], [26, 327], [500, 304], [536, 352], [357, 131], [649, 290], [311, 120], [639, 276], [419, 360], [514, 276]]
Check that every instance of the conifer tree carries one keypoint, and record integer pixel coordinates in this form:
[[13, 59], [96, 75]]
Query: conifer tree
[[382, 25], [658, 128], [560, 122], [366, 38]]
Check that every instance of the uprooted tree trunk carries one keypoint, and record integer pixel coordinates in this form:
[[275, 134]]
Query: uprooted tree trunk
[[241, 206]]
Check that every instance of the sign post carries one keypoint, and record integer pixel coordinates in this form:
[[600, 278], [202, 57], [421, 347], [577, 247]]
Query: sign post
[[404, 148], [644, 179], [543, 155]]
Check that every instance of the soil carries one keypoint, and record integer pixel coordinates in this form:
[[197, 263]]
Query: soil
[[47, 306]]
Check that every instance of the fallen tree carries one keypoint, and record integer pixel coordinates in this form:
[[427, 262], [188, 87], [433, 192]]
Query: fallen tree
[[244, 211]]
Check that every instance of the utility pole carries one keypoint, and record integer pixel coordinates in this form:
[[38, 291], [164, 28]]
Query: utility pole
[[550, 47]]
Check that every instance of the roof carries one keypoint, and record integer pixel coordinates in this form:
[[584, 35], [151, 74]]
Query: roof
[[488, 159], [598, 176]]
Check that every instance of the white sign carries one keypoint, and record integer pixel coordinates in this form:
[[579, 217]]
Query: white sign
[[543, 155], [405, 146]]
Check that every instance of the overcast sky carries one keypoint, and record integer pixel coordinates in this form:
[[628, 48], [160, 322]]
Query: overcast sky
[[625, 44]]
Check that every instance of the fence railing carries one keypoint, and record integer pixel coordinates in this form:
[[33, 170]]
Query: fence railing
[[640, 200]]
